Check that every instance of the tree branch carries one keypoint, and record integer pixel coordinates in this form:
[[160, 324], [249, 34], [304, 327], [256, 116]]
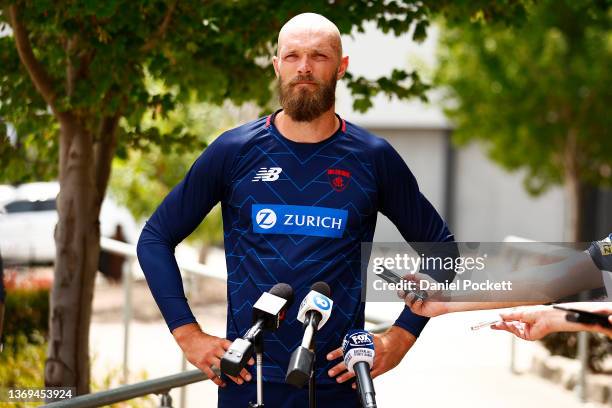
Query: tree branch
[[70, 46], [42, 81], [161, 31], [86, 58]]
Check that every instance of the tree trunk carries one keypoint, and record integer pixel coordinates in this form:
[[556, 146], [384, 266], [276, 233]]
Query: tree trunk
[[580, 205], [574, 204], [77, 240]]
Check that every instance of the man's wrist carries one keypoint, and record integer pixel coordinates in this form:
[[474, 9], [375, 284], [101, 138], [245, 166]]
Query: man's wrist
[[400, 337], [186, 331]]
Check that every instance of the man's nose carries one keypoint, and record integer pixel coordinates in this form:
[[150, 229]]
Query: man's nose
[[304, 66]]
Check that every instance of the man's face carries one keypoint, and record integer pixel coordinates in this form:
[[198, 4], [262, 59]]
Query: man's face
[[308, 66]]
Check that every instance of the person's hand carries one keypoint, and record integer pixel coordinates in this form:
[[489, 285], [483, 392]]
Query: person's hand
[[389, 348], [535, 322], [431, 306], [205, 351], [427, 308], [531, 323], [604, 309]]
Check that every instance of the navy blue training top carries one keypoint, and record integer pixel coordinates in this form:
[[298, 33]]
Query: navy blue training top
[[295, 213]]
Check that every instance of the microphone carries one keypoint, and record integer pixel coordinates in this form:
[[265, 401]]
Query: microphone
[[358, 351], [268, 313], [314, 312]]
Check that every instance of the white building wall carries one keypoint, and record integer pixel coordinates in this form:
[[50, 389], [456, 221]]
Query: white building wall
[[489, 203], [492, 203]]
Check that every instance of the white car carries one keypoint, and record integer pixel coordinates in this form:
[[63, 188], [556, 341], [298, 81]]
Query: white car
[[7, 193], [28, 219]]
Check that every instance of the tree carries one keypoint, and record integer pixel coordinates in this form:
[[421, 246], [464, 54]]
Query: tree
[[538, 95], [73, 84], [141, 177]]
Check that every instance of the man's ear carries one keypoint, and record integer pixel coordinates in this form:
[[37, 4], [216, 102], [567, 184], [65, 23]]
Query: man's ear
[[342, 67], [275, 62]]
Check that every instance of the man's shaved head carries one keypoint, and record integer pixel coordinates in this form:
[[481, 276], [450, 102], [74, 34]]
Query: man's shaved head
[[311, 23], [308, 64]]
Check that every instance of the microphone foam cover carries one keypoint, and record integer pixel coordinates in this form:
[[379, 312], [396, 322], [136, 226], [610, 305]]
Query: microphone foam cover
[[284, 291], [322, 288]]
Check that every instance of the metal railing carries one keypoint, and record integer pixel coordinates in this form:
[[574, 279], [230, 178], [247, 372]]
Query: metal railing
[[160, 386]]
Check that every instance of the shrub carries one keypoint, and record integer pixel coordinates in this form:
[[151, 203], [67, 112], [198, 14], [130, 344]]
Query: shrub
[[22, 363], [26, 312]]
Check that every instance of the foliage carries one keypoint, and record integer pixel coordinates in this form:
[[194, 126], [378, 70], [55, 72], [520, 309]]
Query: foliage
[[22, 362], [143, 177], [98, 56], [26, 313], [536, 94]]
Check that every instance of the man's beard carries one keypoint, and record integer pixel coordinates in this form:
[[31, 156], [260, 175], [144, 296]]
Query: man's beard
[[305, 105]]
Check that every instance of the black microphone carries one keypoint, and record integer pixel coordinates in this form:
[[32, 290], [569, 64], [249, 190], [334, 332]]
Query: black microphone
[[268, 313], [314, 313], [358, 351]]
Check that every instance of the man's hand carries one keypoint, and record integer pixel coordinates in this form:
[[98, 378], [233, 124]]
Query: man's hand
[[389, 347], [432, 306], [205, 351], [427, 308]]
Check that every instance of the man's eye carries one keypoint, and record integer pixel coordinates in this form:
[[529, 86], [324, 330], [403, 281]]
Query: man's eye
[[291, 57]]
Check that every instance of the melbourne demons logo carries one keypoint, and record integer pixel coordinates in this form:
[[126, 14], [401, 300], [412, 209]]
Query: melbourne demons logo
[[338, 179]]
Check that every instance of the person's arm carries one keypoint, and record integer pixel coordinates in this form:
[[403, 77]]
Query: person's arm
[[177, 216], [417, 220], [535, 322], [401, 200], [579, 272]]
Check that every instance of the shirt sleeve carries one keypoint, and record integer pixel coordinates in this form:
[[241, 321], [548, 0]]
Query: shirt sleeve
[[178, 215], [416, 219]]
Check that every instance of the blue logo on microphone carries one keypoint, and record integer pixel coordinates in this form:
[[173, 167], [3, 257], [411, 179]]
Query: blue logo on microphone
[[322, 302]]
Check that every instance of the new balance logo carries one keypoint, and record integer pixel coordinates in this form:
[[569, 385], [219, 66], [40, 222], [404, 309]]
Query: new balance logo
[[267, 174]]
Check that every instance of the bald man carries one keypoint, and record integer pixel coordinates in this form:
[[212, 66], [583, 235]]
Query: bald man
[[300, 190]]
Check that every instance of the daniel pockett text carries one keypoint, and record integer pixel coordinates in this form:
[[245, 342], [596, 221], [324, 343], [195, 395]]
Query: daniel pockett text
[[458, 285]]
